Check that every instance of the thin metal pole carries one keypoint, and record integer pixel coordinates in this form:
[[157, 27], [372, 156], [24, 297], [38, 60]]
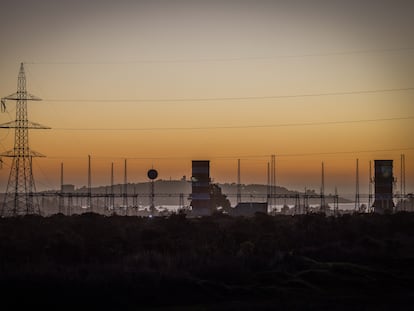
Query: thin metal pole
[[238, 182], [323, 188], [112, 203], [357, 200], [268, 183], [125, 194], [89, 201], [61, 199]]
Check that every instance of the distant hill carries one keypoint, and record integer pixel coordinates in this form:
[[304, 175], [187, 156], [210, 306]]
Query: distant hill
[[164, 188]]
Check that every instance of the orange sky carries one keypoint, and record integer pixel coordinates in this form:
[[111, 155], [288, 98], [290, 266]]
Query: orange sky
[[188, 50]]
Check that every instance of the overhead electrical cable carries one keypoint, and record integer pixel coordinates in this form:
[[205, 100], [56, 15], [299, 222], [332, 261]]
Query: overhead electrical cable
[[194, 99], [223, 59], [251, 156], [234, 126]]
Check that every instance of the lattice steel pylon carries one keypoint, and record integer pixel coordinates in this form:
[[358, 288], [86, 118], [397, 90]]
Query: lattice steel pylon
[[19, 197]]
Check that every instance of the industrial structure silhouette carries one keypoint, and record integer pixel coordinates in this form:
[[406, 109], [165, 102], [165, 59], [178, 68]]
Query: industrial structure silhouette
[[21, 197]]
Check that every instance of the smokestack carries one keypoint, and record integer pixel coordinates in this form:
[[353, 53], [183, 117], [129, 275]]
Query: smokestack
[[200, 182], [383, 180]]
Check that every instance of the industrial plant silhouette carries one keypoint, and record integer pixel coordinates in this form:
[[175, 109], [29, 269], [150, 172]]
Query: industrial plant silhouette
[[21, 197], [76, 247]]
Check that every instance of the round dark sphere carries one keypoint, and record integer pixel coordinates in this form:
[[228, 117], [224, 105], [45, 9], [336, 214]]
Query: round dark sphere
[[152, 174]]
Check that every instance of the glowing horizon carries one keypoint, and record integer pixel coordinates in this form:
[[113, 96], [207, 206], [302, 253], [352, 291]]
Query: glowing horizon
[[213, 50]]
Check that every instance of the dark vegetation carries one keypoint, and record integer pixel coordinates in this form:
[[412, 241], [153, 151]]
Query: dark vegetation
[[309, 262]]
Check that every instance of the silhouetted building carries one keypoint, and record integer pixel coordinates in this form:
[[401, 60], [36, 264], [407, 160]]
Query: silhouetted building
[[384, 180], [249, 208], [200, 198]]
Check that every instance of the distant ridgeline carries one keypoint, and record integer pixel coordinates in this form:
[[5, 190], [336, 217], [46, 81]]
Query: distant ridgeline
[[251, 192]]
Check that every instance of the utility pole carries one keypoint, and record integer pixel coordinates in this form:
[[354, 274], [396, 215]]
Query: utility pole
[[268, 183], [273, 180], [61, 198], [112, 203], [125, 193], [89, 199], [402, 182], [238, 182], [323, 203], [357, 197], [19, 199]]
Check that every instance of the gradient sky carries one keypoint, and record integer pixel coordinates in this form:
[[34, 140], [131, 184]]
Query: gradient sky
[[78, 53]]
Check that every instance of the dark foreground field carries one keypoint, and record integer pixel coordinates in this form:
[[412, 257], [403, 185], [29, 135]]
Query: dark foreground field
[[360, 262]]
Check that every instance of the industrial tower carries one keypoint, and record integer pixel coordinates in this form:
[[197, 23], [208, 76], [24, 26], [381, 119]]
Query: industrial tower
[[19, 197], [384, 181]]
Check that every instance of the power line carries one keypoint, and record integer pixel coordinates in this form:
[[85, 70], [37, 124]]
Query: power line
[[252, 156], [235, 126], [224, 59], [232, 98], [344, 152], [235, 98]]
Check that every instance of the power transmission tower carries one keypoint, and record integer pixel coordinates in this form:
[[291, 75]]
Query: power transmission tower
[[19, 196]]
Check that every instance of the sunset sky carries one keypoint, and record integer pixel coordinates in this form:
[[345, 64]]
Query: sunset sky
[[164, 82]]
